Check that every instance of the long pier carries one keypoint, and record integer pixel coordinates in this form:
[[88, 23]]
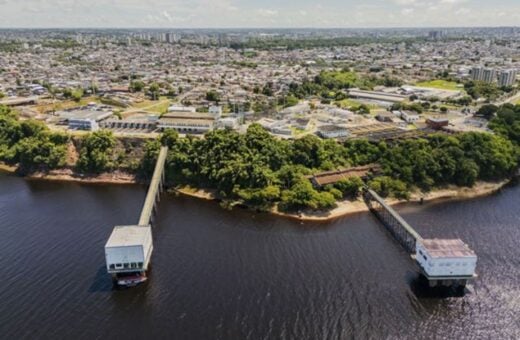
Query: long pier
[[155, 189], [128, 250], [443, 262], [396, 225]]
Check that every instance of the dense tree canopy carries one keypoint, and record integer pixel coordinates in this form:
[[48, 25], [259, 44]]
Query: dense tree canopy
[[507, 123], [262, 171], [96, 152], [30, 143]]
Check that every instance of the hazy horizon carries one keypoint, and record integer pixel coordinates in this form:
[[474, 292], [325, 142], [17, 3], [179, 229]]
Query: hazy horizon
[[254, 14]]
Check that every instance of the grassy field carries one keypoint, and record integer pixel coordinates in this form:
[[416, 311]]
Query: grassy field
[[159, 106], [440, 84], [66, 104]]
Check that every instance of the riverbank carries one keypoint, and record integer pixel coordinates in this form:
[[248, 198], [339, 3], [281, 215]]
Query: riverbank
[[7, 168], [347, 207], [68, 175], [343, 208]]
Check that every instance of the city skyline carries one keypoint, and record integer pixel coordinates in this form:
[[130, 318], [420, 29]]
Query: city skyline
[[252, 13]]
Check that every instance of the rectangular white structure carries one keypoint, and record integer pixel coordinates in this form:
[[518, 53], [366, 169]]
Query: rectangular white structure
[[129, 249], [445, 258]]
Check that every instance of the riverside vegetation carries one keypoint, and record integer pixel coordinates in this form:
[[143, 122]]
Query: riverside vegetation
[[262, 171]]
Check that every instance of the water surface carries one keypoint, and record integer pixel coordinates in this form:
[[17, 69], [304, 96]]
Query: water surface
[[218, 274]]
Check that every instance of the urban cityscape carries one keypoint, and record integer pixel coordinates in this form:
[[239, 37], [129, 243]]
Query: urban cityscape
[[301, 179]]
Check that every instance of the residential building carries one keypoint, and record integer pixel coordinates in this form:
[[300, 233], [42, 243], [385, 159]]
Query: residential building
[[506, 78], [477, 73], [489, 76]]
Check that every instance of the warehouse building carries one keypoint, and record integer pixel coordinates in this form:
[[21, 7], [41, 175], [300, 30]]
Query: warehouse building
[[84, 119]]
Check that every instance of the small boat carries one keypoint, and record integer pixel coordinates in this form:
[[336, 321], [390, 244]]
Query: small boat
[[131, 281]]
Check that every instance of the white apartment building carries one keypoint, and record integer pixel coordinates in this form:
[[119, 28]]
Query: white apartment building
[[507, 78]]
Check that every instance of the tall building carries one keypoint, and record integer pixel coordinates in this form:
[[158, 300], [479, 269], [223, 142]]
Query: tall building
[[506, 78], [477, 73], [489, 76], [437, 35], [171, 38]]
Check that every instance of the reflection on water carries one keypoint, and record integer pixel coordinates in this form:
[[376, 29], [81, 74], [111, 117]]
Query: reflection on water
[[240, 275]]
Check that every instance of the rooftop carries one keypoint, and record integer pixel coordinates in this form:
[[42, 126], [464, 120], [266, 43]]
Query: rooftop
[[438, 248], [85, 114], [124, 236], [330, 177]]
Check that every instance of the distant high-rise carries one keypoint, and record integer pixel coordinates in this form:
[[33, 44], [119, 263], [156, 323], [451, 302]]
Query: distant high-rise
[[172, 38], [437, 35], [477, 73], [489, 76], [506, 78]]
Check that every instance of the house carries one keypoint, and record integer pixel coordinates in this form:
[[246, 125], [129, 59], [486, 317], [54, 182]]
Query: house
[[437, 123], [410, 117]]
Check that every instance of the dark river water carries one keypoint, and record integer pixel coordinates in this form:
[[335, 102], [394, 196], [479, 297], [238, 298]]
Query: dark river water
[[221, 274]]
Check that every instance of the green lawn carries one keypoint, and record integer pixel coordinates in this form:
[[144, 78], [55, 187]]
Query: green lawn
[[158, 106], [440, 84]]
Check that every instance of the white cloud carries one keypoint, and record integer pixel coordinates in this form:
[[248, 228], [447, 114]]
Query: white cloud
[[254, 13]]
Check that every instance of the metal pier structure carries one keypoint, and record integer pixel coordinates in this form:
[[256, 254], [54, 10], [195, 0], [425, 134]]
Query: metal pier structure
[[155, 190], [442, 262], [129, 248], [396, 225]]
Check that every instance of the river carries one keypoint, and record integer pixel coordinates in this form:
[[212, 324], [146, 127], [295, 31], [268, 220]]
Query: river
[[221, 274]]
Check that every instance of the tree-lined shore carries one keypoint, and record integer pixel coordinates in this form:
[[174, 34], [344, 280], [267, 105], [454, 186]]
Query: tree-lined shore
[[261, 171]]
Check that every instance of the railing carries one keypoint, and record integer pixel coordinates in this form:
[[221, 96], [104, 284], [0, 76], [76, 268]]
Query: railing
[[155, 188], [394, 223]]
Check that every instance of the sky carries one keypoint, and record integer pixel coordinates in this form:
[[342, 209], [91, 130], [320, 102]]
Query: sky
[[257, 13]]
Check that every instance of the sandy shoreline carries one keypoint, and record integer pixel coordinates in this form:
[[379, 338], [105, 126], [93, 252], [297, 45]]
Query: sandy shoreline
[[345, 208], [7, 168]]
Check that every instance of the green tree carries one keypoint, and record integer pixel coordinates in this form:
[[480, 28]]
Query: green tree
[[487, 111], [154, 90], [136, 86], [96, 152], [213, 96]]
